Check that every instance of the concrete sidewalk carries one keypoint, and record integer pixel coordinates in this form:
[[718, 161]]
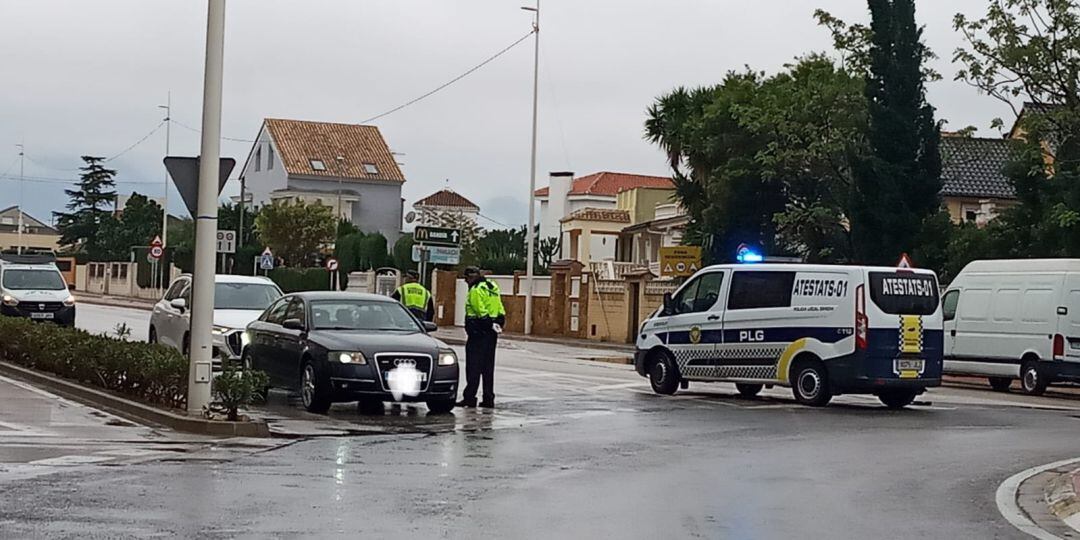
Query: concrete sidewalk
[[114, 301], [456, 336]]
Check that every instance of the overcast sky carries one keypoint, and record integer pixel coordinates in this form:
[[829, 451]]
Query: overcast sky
[[80, 77]]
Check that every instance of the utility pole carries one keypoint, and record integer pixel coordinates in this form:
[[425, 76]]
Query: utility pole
[[531, 233], [165, 200], [240, 233], [22, 161], [202, 301], [341, 175]]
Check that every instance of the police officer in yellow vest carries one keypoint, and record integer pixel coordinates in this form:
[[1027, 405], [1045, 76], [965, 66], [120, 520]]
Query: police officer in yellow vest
[[415, 297], [484, 319]]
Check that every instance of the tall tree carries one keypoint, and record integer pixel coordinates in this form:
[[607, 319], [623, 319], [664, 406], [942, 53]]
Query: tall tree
[[296, 232], [139, 223], [88, 207], [897, 189]]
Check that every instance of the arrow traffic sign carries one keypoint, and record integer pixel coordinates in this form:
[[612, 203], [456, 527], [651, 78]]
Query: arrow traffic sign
[[332, 264], [437, 236]]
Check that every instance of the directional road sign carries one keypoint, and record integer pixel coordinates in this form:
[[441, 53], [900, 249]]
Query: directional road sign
[[437, 236], [437, 254], [226, 241], [332, 264], [680, 261], [185, 174]]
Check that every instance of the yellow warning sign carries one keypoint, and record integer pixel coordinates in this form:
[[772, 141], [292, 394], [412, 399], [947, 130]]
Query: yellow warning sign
[[680, 261]]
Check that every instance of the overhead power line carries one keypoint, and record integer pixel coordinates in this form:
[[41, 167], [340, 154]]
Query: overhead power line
[[197, 130], [140, 141], [452, 81]]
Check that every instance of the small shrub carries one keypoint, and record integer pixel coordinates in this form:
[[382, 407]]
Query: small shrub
[[153, 374], [236, 388]]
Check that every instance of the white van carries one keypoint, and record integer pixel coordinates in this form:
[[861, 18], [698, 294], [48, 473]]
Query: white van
[[32, 287], [1015, 319], [822, 330]]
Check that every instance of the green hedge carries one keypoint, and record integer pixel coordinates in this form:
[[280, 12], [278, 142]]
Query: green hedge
[[152, 374], [301, 279]]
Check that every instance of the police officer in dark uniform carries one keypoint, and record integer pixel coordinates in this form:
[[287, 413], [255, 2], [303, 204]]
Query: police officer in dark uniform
[[484, 319]]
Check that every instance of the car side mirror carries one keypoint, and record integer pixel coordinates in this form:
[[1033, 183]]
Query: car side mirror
[[430, 326], [179, 303], [669, 305], [293, 324]]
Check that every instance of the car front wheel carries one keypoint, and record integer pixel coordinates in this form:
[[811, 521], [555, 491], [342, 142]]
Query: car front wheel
[[443, 406], [314, 389]]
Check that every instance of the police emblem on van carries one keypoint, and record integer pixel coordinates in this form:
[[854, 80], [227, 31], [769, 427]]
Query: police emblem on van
[[695, 335]]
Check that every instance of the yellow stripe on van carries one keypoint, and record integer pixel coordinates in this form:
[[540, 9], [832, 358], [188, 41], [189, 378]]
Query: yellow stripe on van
[[785, 359], [911, 334]]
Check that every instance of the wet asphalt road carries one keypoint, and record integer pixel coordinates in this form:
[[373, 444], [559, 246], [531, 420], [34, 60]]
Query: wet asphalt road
[[581, 450]]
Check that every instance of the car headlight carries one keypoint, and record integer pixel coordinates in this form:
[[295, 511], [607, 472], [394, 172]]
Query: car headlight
[[69, 301], [221, 330], [10, 301], [447, 358], [349, 358]]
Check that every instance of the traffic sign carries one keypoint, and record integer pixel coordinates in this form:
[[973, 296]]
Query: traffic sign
[[437, 254], [437, 236], [226, 241], [905, 262], [266, 260], [332, 264], [185, 174], [157, 249], [680, 261]]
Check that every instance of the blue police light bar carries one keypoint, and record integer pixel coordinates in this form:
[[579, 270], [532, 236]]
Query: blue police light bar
[[748, 257]]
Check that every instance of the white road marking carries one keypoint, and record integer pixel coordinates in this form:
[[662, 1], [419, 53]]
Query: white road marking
[[1010, 508]]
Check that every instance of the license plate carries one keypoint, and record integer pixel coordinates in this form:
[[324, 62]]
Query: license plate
[[420, 377], [909, 368], [41, 316]]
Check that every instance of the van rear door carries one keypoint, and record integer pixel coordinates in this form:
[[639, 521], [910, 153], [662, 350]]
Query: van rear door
[[1069, 318], [905, 337]]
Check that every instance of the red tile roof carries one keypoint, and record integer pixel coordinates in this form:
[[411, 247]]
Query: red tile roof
[[599, 214], [448, 198], [609, 184], [300, 141]]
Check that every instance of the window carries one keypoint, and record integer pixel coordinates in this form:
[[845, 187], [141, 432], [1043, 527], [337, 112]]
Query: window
[[296, 311], [898, 293], [700, 295], [318, 165], [269, 157], [362, 315], [276, 313], [34, 280], [9, 221], [756, 290], [370, 168], [175, 290], [245, 296], [948, 304], [258, 159], [970, 212]]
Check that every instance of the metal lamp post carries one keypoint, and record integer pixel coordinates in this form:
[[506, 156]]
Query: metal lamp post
[[531, 233]]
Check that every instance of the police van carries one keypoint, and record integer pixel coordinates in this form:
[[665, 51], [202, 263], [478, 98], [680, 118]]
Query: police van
[[32, 287], [821, 330]]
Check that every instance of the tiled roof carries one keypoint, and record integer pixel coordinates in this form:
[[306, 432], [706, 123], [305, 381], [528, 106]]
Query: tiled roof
[[972, 167], [599, 214], [299, 142], [448, 198], [609, 184]]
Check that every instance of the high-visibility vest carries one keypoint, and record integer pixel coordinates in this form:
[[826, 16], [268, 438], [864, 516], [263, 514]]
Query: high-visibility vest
[[484, 301], [414, 296], [495, 307]]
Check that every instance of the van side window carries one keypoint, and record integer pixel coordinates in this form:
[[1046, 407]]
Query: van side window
[[699, 295], [684, 301], [948, 304], [755, 290]]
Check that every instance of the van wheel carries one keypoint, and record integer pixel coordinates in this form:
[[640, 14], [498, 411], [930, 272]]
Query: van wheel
[[897, 399], [1032, 380], [664, 375], [811, 384], [1000, 384], [749, 390]]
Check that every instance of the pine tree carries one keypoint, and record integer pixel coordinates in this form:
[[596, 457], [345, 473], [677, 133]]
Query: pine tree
[[88, 207], [898, 187]]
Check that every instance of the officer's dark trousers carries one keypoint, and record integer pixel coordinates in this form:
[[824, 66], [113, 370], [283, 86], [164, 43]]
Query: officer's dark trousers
[[480, 364]]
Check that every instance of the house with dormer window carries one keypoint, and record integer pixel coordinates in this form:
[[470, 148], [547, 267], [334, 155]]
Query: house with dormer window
[[347, 167]]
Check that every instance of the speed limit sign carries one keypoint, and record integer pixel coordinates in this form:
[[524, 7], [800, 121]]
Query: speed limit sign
[[157, 249]]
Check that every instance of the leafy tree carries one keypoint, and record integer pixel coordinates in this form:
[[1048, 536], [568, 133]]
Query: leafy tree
[[139, 223], [402, 256], [296, 232], [88, 208], [898, 187]]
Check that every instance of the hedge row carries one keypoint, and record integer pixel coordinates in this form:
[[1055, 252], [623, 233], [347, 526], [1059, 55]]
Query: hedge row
[[152, 374], [301, 279]]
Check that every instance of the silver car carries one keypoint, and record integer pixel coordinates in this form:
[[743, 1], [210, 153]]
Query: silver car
[[238, 300]]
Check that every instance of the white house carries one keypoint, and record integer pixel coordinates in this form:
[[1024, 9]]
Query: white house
[[567, 196], [347, 167]]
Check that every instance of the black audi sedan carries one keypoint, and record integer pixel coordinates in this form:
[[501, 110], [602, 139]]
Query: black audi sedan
[[340, 347]]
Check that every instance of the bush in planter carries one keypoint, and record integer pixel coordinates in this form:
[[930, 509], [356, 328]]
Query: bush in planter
[[236, 388], [153, 374]]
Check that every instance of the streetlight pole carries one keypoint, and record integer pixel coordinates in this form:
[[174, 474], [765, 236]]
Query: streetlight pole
[[340, 179], [531, 232], [22, 160], [165, 200], [202, 301]]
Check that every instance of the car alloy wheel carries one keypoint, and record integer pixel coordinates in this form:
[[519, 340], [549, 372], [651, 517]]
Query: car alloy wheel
[[307, 385]]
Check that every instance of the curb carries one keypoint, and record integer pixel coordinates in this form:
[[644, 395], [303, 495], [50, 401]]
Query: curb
[[1023, 500], [135, 411], [1063, 500], [114, 301]]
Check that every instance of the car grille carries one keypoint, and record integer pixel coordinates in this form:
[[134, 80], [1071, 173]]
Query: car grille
[[41, 307], [234, 342], [388, 361]]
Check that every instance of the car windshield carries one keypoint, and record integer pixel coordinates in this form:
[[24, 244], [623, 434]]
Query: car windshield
[[249, 296], [34, 280], [362, 315]]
